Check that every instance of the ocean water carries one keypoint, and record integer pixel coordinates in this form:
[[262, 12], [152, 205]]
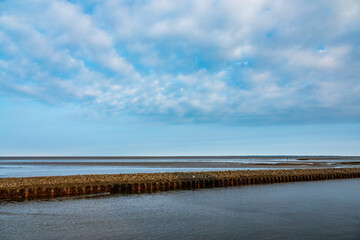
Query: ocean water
[[302, 210]]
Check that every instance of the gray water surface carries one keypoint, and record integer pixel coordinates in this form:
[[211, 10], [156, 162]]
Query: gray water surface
[[66, 166], [303, 210]]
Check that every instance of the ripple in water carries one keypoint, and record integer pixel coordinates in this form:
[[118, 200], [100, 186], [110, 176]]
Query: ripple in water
[[302, 210]]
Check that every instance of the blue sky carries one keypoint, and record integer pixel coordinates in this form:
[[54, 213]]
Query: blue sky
[[179, 77]]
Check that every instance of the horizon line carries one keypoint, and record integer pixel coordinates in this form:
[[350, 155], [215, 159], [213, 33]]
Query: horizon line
[[166, 156]]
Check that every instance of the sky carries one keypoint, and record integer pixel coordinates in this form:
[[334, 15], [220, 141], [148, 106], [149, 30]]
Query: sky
[[161, 77]]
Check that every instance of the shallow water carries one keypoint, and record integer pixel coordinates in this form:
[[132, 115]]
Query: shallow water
[[63, 170], [60, 167], [303, 210]]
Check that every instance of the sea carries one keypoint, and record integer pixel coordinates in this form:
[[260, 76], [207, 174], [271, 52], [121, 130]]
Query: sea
[[297, 210], [301, 210]]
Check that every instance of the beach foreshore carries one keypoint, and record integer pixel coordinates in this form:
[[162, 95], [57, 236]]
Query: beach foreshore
[[34, 187]]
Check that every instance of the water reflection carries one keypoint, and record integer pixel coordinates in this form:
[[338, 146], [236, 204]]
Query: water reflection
[[302, 210]]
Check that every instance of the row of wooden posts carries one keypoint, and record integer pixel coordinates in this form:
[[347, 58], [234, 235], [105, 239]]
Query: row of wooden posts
[[129, 188]]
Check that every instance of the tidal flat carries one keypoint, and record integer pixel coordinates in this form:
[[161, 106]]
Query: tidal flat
[[62, 166]]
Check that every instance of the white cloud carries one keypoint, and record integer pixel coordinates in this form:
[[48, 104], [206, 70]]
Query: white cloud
[[197, 60], [328, 59]]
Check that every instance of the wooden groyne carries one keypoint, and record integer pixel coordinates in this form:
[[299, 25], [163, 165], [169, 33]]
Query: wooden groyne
[[37, 187]]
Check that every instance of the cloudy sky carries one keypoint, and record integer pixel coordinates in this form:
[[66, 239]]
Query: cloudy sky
[[161, 77]]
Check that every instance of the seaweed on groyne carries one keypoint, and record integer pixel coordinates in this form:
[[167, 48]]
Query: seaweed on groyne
[[35, 187]]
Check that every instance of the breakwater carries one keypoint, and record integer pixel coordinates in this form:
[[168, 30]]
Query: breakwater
[[37, 187]]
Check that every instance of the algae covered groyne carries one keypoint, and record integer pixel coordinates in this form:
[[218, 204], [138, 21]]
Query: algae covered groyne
[[35, 187]]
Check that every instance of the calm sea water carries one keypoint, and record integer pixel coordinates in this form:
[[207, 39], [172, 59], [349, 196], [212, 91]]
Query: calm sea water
[[303, 210]]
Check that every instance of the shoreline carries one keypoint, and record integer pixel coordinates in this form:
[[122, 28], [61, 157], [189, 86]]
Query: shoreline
[[294, 157], [35, 187], [181, 164]]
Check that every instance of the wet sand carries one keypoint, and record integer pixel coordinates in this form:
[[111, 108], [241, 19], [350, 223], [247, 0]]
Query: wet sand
[[181, 162]]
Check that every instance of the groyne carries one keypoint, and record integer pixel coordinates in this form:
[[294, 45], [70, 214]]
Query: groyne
[[38, 187]]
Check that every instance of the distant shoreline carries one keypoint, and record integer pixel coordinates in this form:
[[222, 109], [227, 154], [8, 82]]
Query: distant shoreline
[[187, 164], [309, 157]]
